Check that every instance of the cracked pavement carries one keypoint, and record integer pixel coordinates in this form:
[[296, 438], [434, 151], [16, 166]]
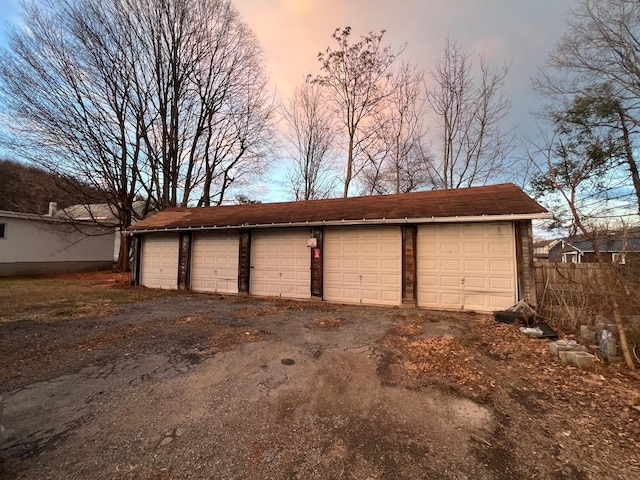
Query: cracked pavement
[[278, 397]]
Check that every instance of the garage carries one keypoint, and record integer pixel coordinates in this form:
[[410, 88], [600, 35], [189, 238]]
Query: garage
[[459, 249], [363, 265], [280, 263], [159, 261], [466, 266], [214, 262]]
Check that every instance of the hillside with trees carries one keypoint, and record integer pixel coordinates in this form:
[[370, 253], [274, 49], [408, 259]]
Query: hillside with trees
[[29, 189]]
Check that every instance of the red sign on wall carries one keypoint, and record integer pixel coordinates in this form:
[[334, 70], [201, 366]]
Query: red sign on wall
[[316, 253]]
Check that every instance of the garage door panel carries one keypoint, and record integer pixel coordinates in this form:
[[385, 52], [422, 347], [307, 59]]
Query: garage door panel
[[453, 265], [428, 281], [500, 283], [390, 264], [448, 247], [371, 249], [471, 248], [369, 260], [391, 296], [500, 266], [370, 264], [466, 266], [388, 280], [159, 263], [471, 282], [447, 281], [475, 266], [214, 262], [351, 248], [451, 300], [346, 277], [370, 279], [281, 263]]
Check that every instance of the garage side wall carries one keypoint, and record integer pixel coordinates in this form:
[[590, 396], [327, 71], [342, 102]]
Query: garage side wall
[[524, 253]]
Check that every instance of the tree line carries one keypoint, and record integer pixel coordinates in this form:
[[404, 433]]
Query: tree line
[[168, 101], [164, 100], [376, 103]]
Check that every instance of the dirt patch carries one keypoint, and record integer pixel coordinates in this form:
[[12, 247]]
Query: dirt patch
[[183, 385], [328, 322], [550, 414]]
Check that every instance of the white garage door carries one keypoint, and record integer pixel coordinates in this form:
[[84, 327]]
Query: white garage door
[[363, 265], [214, 262], [159, 263], [467, 266], [281, 263]]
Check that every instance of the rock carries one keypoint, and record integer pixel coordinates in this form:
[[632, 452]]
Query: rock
[[580, 359], [166, 441]]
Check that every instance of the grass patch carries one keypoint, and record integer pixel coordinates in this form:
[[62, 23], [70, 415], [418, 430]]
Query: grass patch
[[70, 296]]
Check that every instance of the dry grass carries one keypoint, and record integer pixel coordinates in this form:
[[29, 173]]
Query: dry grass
[[70, 296], [328, 322]]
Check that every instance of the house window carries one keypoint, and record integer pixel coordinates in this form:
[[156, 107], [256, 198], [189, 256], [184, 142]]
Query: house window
[[2, 230], [619, 258]]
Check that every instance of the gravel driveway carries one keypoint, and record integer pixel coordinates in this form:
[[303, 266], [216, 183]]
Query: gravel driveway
[[199, 386]]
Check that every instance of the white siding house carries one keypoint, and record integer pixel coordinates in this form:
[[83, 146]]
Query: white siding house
[[37, 244]]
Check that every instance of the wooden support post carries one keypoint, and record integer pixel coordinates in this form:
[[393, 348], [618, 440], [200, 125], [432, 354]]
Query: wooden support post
[[409, 264], [317, 264], [136, 248], [244, 265], [184, 261]]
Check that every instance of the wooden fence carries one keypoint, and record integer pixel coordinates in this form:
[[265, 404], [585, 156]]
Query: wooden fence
[[574, 291], [565, 277]]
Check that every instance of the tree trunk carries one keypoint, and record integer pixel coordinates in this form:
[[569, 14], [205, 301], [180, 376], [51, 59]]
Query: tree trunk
[[123, 255]]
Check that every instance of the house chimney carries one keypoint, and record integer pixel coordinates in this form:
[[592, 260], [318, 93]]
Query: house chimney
[[53, 209]]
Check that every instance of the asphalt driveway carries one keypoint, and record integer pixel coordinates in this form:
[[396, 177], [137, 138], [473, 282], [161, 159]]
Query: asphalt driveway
[[204, 386]]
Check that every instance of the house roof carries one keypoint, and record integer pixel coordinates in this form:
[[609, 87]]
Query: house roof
[[545, 243], [100, 212], [610, 244], [40, 218], [475, 203]]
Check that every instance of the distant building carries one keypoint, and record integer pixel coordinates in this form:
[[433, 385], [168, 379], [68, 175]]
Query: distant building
[[101, 213], [541, 248], [38, 244], [579, 249]]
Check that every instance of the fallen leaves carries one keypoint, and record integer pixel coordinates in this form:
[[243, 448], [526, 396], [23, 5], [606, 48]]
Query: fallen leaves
[[328, 322], [226, 337], [493, 362]]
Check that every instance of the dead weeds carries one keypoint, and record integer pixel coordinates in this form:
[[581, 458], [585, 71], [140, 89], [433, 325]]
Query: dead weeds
[[582, 411], [225, 337], [328, 322], [256, 312]]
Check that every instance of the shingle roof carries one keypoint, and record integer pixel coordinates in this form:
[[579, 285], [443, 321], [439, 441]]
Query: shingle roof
[[494, 200], [611, 244]]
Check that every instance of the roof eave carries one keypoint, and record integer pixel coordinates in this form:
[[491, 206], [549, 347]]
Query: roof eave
[[364, 221]]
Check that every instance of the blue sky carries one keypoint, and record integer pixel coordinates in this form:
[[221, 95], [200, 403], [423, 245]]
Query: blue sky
[[292, 32]]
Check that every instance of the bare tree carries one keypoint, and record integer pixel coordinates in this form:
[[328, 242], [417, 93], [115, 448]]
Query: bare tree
[[571, 167], [161, 99], [356, 77], [398, 159], [473, 146], [596, 62], [310, 136]]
